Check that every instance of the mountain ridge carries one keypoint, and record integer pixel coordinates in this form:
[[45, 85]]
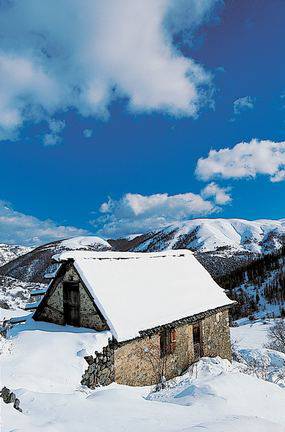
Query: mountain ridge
[[227, 248], [209, 235], [32, 266], [221, 245]]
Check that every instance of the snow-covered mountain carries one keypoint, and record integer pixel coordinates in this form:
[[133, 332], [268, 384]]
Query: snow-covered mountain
[[9, 252], [221, 245], [209, 235], [32, 266]]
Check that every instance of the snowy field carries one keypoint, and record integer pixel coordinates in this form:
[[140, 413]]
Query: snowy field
[[250, 335], [43, 363]]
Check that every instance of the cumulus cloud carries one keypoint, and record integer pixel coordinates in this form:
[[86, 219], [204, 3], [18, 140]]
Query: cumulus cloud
[[243, 104], [220, 194], [245, 160], [135, 213], [87, 133], [54, 136], [76, 54], [19, 228], [24, 90]]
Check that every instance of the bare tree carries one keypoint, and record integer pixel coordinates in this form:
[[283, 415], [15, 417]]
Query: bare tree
[[259, 367], [235, 350], [263, 369], [280, 376], [276, 336]]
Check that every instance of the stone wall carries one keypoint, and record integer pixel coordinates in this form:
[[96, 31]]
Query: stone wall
[[53, 311], [138, 363], [216, 335], [132, 366], [101, 368]]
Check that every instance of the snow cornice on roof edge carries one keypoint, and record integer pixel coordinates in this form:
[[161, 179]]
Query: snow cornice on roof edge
[[113, 255]]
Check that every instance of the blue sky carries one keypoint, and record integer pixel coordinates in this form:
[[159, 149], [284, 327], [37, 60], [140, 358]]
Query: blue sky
[[147, 131]]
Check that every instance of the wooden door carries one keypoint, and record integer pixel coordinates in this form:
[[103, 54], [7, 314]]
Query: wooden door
[[71, 303], [197, 343]]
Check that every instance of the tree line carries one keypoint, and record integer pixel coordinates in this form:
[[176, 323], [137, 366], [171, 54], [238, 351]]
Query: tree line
[[267, 277]]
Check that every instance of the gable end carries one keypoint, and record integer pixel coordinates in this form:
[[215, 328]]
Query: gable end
[[51, 308]]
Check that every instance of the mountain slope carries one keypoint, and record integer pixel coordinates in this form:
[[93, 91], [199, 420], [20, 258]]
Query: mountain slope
[[258, 287], [10, 252], [221, 245], [224, 246], [32, 266], [208, 235]]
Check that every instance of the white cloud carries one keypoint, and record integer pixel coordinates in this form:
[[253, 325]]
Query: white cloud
[[245, 160], [220, 195], [56, 126], [23, 84], [87, 133], [63, 54], [53, 137], [19, 228], [243, 104], [51, 140], [139, 213]]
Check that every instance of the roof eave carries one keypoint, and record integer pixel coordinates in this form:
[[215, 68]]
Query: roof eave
[[179, 322]]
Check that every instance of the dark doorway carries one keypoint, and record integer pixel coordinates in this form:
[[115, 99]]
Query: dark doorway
[[71, 303], [197, 341], [167, 342]]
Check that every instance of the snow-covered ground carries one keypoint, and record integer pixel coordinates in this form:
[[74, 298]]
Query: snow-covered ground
[[8, 252], [250, 341], [251, 334], [43, 364], [15, 293]]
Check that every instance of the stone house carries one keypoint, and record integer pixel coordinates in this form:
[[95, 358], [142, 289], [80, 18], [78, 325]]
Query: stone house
[[159, 312]]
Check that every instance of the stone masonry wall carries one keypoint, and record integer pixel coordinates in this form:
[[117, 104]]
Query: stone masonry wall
[[216, 336], [133, 365], [89, 315], [101, 368], [130, 364], [53, 310]]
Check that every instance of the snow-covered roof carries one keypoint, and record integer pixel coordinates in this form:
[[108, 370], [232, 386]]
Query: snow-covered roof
[[38, 292], [32, 306], [139, 291]]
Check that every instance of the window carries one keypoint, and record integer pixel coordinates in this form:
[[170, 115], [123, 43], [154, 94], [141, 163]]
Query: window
[[167, 342]]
